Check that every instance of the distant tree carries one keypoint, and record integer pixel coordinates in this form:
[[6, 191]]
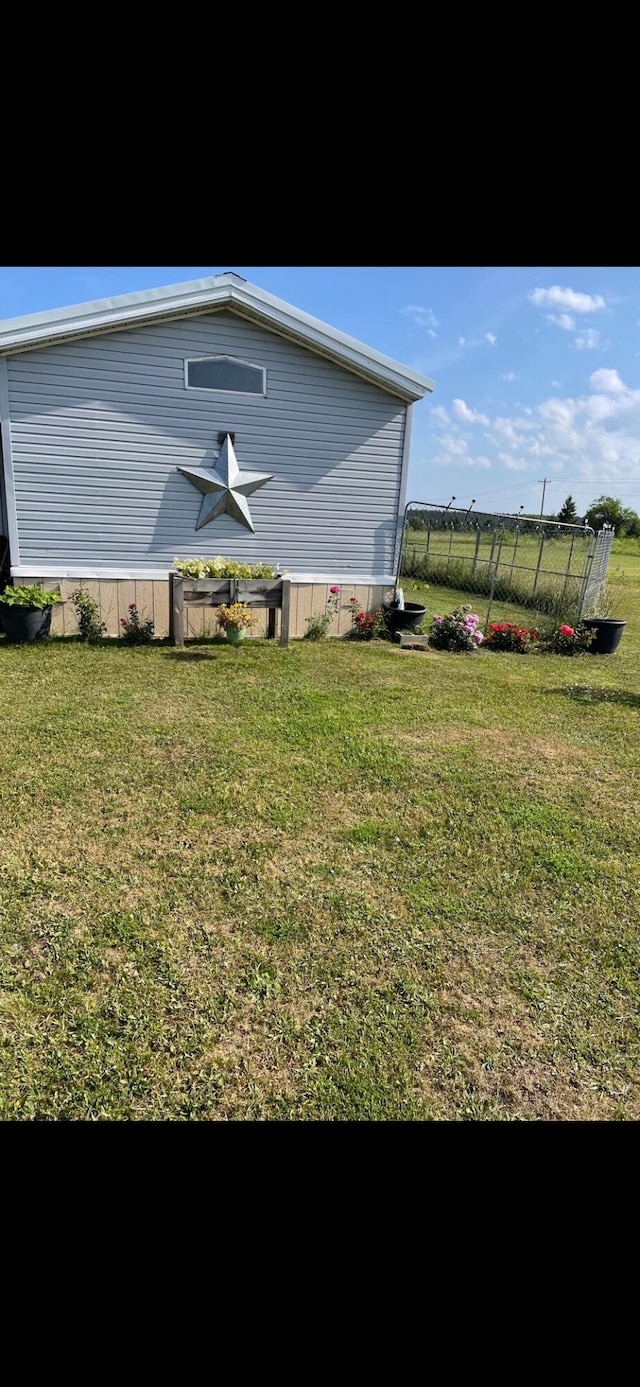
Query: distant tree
[[567, 513], [631, 523], [607, 510]]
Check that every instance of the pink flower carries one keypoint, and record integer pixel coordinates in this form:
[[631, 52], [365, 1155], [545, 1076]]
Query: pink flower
[[477, 637], [567, 631], [438, 619], [335, 588]]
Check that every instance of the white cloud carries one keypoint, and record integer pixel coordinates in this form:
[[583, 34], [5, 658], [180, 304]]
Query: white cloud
[[510, 375], [557, 384], [506, 432], [589, 340], [455, 451], [514, 464], [467, 415], [608, 381], [489, 337], [461, 341], [423, 317], [439, 413], [564, 321], [595, 437], [576, 302]]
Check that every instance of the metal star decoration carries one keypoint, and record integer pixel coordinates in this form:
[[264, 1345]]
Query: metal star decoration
[[225, 488]]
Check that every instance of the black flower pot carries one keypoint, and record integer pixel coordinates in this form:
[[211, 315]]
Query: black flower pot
[[25, 623], [608, 634], [405, 618]]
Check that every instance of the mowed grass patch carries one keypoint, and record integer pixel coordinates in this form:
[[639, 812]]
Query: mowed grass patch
[[336, 882]]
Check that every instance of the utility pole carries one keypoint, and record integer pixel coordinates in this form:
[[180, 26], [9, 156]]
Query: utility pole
[[542, 481]]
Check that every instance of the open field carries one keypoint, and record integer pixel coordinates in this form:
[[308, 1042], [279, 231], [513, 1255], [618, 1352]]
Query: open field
[[337, 881], [544, 573]]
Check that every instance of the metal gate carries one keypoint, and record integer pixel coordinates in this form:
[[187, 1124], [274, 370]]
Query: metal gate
[[548, 567]]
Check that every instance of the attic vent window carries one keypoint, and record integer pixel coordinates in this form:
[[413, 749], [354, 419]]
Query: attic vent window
[[226, 374]]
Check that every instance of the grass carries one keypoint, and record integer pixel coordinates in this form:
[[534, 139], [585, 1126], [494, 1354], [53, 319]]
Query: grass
[[336, 882]]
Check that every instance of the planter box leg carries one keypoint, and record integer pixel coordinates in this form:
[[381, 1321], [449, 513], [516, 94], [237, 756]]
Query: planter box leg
[[176, 608], [286, 611]]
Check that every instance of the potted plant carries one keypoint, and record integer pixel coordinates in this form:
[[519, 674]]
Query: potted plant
[[608, 629], [236, 620], [25, 612]]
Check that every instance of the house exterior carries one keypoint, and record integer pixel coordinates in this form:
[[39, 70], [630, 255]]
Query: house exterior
[[200, 419]]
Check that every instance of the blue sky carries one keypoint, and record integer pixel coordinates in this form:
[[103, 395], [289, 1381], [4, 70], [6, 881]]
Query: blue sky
[[537, 370]]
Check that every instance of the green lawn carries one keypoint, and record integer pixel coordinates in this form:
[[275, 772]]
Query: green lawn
[[337, 881]]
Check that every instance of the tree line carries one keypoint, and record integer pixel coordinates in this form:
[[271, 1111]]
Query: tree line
[[606, 510]]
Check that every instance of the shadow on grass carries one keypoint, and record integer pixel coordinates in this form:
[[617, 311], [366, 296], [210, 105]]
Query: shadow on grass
[[586, 693], [184, 656]]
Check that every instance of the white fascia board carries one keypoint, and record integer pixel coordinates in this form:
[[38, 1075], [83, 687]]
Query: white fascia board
[[158, 575], [57, 570], [200, 295], [327, 339]]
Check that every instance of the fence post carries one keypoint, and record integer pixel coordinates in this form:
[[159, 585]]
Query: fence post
[[568, 572], [475, 555], [515, 551], [449, 551], [493, 545], [535, 581], [494, 576]]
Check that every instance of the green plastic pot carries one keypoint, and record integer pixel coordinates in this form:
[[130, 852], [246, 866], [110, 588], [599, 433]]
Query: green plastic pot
[[235, 634]]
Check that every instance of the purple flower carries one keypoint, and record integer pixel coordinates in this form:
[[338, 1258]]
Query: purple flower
[[477, 637]]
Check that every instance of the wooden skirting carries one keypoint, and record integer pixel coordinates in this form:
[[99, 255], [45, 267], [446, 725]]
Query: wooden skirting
[[114, 595]]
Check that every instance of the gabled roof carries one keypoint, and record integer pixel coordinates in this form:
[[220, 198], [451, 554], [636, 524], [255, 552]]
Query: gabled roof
[[202, 296]]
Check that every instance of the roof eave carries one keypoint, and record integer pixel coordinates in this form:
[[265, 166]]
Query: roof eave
[[201, 297]]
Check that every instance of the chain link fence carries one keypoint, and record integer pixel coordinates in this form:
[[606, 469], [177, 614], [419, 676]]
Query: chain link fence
[[547, 568]]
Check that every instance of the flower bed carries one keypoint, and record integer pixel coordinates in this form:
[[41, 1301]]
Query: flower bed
[[456, 632], [505, 635]]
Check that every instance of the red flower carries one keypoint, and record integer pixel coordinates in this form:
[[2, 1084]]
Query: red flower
[[132, 606], [352, 599], [123, 621], [567, 631]]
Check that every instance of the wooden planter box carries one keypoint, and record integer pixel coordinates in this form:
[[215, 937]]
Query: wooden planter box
[[269, 593]]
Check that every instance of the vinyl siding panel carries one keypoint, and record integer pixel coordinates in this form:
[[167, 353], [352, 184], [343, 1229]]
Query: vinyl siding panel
[[4, 527], [100, 426]]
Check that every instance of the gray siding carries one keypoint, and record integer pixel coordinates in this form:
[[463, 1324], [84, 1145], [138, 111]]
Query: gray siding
[[99, 426], [4, 528]]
